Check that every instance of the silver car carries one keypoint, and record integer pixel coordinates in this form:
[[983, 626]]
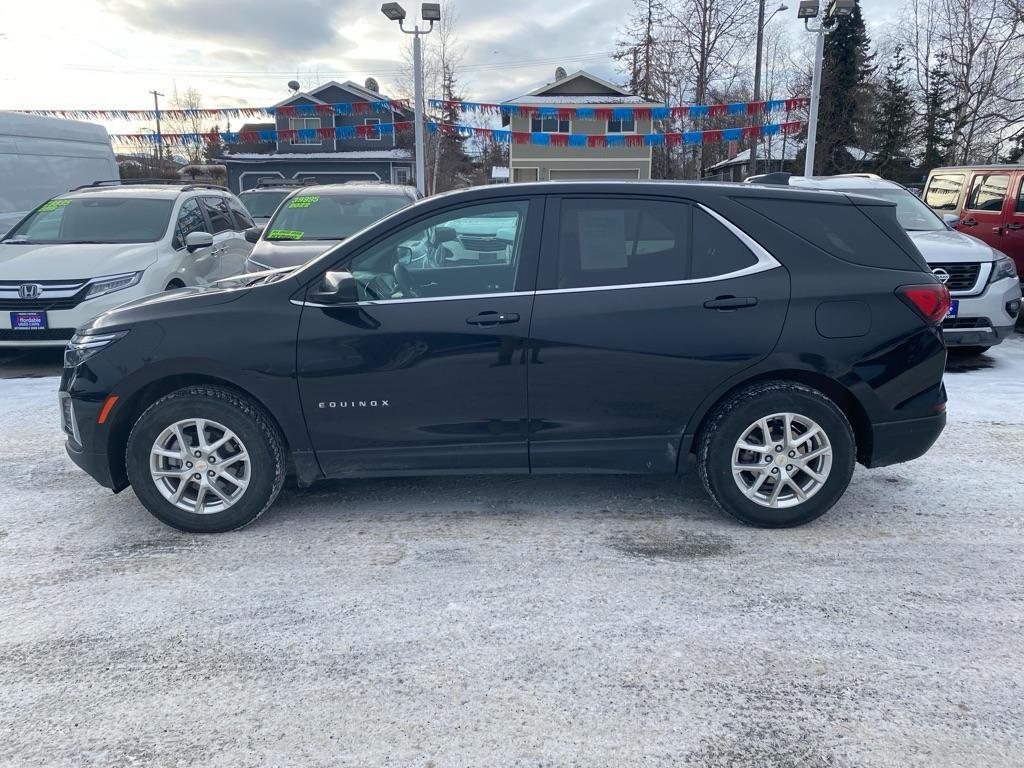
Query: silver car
[[982, 281]]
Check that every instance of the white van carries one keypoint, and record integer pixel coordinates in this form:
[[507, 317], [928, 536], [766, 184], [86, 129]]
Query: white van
[[42, 157]]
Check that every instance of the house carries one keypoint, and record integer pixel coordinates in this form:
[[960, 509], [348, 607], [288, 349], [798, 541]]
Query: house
[[532, 162], [325, 158], [780, 153]]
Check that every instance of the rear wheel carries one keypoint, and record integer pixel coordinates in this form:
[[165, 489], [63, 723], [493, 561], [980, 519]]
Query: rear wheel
[[205, 459], [777, 455]]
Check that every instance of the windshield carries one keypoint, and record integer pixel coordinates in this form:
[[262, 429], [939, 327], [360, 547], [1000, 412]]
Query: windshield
[[330, 217], [95, 219], [261, 205], [912, 214]]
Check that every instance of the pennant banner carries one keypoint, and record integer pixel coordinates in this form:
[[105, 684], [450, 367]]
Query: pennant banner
[[256, 137], [355, 108], [622, 113], [617, 140]]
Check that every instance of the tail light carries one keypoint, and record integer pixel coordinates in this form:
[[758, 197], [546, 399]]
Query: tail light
[[931, 301]]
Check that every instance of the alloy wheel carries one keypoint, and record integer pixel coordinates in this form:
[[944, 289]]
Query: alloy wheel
[[200, 466], [782, 460]]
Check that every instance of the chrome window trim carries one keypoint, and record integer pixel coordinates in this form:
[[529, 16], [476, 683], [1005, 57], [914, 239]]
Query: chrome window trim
[[764, 263]]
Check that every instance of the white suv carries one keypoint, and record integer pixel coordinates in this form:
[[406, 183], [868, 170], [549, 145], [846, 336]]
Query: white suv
[[97, 247]]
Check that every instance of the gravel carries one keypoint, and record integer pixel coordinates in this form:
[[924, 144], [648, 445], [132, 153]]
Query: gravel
[[597, 621]]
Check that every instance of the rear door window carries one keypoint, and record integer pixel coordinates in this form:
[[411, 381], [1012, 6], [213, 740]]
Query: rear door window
[[716, 250], [988, 192], [242, 218], [943, 192], [622, 241], [220, 217]]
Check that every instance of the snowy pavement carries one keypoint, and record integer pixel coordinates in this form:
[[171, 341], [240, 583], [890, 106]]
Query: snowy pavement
[[593, 621]]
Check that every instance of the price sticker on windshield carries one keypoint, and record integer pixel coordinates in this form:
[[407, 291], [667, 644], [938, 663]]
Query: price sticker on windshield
[[53, 205], [304, 201], [284, 234]]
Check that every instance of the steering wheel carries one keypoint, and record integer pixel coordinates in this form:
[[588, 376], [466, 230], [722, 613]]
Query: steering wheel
[[404, 280]]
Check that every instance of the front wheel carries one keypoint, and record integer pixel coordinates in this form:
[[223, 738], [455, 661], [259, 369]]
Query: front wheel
[[205, 459], [777, 455]]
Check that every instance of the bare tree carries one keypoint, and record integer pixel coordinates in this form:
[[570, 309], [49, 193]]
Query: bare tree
[[188, 100]]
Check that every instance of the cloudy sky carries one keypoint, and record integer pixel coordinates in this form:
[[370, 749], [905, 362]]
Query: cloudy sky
[[109, 53]]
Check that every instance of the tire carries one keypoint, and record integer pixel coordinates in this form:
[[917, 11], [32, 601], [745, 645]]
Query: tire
[[969, 351], [738, 416], [248, 478]]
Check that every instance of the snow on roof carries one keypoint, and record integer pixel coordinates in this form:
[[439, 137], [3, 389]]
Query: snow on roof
[[376, 154], [775, 150]]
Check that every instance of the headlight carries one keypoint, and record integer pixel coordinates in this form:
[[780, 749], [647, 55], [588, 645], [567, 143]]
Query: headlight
[[1002, 268], [81, 348], [101, 286]]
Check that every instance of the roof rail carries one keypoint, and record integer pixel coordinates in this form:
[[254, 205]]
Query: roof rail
[[273, 181], [185, 185]]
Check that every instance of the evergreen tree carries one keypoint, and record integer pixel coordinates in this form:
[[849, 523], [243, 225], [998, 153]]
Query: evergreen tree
[[214, 149], [452, 166], [848, 64], [894, 118], [938, 116]]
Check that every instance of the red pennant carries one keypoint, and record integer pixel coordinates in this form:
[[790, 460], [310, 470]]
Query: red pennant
[[366, 131], [324, 109], [752, 132], [287, 134], [361, 107], [641, 113], [249, 137], [791, 127], [603, 114], [680, 113], [559, 139], [521, 137], [712, 137], [755, 107], [566, 114], [286, 111], [718, 110], [636, 140], [597, 141], [325, 133], [673, 139]]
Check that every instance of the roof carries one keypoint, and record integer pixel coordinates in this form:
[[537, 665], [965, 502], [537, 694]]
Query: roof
[[356, 190], [846, 182], [617, 95], [254, 127], [151, 191], [38, 127], [369, 154]]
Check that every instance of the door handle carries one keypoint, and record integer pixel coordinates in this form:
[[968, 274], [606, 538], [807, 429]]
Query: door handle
[[969, 223], [997, 230], [729, 303], [493, 318], [1016, 226]]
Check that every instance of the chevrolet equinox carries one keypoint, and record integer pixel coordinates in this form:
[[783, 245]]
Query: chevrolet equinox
[[771, 337]]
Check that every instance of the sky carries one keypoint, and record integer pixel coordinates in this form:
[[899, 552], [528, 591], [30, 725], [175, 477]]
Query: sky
[[110, 53]]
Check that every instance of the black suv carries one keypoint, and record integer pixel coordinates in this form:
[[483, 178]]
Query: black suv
[[770, 336]]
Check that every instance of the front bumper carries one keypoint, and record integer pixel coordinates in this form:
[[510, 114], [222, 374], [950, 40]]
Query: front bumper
[[983, 321], [895, 442]]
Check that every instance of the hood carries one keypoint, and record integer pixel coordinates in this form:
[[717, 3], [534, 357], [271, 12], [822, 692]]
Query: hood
[[73, 262], [289, 253], [169, 304], [947, 246]]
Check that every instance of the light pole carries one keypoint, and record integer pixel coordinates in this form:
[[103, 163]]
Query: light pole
[[762, 22], [428, 12], [811, 9]]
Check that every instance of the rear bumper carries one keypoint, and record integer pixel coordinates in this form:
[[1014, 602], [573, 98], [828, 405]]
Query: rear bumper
[[895, 442]]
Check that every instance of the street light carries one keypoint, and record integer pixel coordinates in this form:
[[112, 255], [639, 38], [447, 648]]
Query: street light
[[811, 9], [430, 12], [762, 22]]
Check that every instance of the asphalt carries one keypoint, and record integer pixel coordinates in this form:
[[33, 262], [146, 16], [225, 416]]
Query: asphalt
[[555, 621]]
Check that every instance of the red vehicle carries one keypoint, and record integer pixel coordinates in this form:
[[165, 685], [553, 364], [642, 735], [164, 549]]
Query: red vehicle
[[986, 201]]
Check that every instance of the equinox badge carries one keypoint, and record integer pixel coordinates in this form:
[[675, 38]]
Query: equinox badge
[[356, 404]]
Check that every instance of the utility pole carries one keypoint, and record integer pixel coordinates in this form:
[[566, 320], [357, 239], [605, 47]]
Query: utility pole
[[159, 135], [755, 140], [812, 120]]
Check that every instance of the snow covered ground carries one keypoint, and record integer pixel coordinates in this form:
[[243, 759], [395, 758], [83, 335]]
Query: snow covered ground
[[521, 621]]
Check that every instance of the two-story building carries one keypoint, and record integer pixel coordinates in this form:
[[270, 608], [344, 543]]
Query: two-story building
[[311, 154], [556, 161]]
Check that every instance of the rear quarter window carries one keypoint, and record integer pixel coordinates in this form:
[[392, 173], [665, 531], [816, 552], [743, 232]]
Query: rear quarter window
[[870, 236], [943, 192]]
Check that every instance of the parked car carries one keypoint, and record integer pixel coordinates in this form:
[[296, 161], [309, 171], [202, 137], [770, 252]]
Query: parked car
[[982, 281], [99, 246], [262, 200], [986, 202], [313, 219], [771, 337], [41, 157]]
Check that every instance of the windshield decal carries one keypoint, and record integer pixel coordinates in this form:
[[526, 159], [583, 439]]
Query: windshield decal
[[304, 201], [53, 205], [285, 234]]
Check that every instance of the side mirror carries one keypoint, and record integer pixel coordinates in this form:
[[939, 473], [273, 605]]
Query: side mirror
[[335, 288], [951, 220], [196, 240], [252, 234]]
